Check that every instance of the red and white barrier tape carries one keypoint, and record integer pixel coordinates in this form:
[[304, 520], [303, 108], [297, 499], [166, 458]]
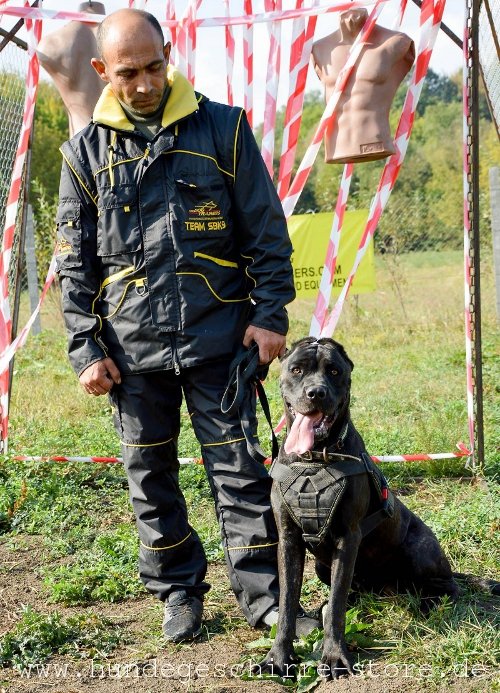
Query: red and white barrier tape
[[172, 24], [21, 338], [463, 452], [467, 233], [186, 41], [277, 16], [328, 274], [306, 165], [230, 47], [272, 83], [15, 193], [248, 64], [401, 14], [430, 19], [300, 53]]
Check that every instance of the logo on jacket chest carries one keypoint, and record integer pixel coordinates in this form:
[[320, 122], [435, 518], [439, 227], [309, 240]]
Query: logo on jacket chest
[[205, 216]]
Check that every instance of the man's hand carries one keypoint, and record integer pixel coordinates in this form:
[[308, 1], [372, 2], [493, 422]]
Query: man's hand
[[99, 378], [271, 344]]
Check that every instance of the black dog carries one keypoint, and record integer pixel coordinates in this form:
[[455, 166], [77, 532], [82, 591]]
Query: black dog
[[329, 497]]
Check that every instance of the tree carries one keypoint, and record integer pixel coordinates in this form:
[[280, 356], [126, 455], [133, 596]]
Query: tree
[[50, 131]]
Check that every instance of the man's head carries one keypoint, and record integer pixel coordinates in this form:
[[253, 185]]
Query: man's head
[[133, 59]]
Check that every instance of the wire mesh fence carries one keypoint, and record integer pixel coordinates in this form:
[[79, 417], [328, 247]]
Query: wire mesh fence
[[13, 66], [489, 49]]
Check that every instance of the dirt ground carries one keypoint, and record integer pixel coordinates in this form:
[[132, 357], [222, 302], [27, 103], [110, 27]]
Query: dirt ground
[[144, 664]]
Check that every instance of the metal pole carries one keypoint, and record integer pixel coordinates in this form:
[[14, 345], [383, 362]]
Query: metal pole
[[475, 245], [31, 270], [495, 228], [444, 28]]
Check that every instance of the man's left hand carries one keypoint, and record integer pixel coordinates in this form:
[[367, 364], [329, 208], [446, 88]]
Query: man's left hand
[[271, 344]]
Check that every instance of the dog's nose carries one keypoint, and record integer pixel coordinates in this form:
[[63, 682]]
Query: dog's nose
[[316, 393]]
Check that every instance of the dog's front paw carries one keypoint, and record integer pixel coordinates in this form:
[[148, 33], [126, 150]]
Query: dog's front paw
[[336, 662], [276, 664]]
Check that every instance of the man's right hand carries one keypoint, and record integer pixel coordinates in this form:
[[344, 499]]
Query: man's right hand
[[99, 378]]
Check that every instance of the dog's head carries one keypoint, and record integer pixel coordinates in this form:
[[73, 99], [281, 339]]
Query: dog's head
[[315, 383]]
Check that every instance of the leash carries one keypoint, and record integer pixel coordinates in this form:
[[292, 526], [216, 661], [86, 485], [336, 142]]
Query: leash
[[239, 397]]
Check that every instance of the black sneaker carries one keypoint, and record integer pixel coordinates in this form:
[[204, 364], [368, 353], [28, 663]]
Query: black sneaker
[[303, 625], [182, 616]]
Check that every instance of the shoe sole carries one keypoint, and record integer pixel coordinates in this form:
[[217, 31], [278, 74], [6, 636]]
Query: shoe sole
[[184, 638]]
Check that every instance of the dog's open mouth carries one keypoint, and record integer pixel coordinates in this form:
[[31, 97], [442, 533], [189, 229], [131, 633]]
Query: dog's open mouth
[[306, 429]]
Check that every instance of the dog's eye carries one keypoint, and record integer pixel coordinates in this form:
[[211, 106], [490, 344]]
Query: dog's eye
[[296, 370], [333, 371]]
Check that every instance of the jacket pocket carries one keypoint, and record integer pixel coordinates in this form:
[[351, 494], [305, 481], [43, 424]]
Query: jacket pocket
[[115, 298], [216, 260], [204, 207], [68, 250], [118, 230]]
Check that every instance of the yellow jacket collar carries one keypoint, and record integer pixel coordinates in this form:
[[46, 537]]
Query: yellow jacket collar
[[180, 103]]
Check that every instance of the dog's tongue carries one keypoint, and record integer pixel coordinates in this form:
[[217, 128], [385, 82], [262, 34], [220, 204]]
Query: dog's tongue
[[300, 438]]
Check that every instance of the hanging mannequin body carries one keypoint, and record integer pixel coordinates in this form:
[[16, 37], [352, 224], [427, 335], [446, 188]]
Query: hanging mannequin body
[[65, 54], [360, 131]]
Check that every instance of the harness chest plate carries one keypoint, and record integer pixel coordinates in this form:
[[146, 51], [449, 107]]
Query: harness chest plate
[[312, 491], [312, 500]]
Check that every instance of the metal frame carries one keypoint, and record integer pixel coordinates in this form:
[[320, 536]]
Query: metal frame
[[475, 258], [475, 265], [475, 307]]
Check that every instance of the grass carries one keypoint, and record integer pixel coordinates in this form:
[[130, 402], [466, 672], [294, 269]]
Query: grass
[[36, 637], [408, 397]]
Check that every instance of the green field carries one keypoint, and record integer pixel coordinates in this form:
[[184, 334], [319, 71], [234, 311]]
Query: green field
[[67, 539]]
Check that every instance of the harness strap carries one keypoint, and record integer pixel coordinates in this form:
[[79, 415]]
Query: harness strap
[[380, 483]]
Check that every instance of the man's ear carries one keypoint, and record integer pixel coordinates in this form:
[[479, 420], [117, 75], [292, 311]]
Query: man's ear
[[280, 358], [100, 68], [166, 51]]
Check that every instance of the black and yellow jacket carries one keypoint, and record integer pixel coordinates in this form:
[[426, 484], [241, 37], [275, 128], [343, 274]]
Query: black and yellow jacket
[[168, 249]]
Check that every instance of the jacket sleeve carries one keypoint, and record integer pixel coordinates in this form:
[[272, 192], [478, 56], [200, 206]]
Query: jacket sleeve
[[263, 234], [77, 266]]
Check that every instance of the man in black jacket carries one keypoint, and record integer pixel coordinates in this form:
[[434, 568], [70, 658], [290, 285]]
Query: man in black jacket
[[173, 253]]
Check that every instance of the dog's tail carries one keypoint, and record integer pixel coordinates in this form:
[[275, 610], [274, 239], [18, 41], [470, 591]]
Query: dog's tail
[[478, 583]]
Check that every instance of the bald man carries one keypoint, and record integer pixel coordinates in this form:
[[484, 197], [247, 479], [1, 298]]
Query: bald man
[[173, 257], [66, 54], [360, 130]]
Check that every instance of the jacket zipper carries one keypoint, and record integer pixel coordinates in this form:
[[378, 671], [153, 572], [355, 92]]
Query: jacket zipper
[[175, 357]]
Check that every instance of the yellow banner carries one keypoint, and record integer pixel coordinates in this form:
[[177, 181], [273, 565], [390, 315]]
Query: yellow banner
[[310, 234]]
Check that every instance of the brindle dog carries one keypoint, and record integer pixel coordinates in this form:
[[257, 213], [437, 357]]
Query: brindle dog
[[366, 538]]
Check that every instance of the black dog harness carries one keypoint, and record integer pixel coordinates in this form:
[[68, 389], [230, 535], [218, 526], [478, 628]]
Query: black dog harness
[[312, 487]]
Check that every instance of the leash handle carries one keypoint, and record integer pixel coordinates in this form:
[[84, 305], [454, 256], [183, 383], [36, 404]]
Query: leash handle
[[238, 396], [240, 374]]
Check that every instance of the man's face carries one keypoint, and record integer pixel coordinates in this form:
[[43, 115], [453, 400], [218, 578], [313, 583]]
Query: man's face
[[134, 64]]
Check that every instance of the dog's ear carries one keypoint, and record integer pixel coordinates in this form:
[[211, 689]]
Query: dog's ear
[[343, 353], [338, 346]]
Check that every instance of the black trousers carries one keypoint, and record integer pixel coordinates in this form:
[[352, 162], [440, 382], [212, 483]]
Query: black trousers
[[171, 557]]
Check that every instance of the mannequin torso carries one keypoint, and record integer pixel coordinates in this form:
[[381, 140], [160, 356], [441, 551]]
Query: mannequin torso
[[360, 131], [65, 54]]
